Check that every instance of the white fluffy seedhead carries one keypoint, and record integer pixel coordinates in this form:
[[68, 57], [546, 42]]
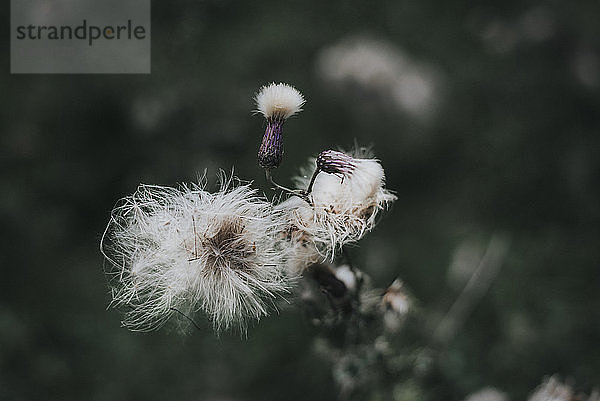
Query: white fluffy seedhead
[[278, 101], [187, 250], [344, 206], [301, 249]]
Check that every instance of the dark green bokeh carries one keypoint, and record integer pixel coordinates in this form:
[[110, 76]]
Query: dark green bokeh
[[513, 147]]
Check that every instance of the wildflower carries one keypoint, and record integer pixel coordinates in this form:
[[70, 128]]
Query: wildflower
[[346, 193], [186, 250], [276, 102]]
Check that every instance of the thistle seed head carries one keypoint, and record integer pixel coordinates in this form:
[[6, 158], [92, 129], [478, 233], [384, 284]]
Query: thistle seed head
[[342, 209], [276, 102], [279, 101], [187, 250]]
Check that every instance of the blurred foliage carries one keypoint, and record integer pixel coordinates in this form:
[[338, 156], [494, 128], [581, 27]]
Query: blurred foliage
[[512, 147]]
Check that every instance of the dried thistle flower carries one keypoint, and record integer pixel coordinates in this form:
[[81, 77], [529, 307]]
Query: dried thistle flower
[[279, 101], [346, 193], [185, 250], [276, 102]]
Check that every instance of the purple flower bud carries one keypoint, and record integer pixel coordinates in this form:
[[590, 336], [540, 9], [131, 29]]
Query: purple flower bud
[[338, 163], [270, 152]]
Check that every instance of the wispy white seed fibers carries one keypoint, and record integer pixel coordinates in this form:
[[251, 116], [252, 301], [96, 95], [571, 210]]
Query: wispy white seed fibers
[[189, 250]]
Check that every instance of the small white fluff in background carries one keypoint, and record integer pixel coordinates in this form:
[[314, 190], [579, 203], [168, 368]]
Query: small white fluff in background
[[345, 207], [279, 101], [396, 305], [345, 274], [552, 390], [383, 71], [187, 250], [396, 299], [487, 394]]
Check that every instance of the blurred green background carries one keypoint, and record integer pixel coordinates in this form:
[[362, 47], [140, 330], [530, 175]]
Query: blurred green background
[[485, 116]]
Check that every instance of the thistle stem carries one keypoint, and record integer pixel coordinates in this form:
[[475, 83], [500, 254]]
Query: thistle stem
[[297, 192], [312, 181]]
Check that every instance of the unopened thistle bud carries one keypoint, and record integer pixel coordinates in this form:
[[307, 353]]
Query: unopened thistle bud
[[276, 102], [334, 162]]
